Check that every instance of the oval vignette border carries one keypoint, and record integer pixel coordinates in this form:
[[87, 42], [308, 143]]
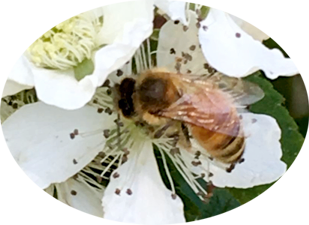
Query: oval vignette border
[[21, 195]]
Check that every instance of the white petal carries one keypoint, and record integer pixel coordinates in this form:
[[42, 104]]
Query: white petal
[[176, 10], [126, 26], [173, 41], [61, 89], [150, 201], [21, 72], [262, 155], [232, 51], [11, 87], [256, 33], [38, 136], [81, 196]]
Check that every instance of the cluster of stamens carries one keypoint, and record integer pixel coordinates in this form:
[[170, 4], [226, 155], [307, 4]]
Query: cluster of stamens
[[67, 44]]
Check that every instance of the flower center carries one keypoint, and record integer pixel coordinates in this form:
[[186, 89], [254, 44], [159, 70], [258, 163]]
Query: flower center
[[67, 44]]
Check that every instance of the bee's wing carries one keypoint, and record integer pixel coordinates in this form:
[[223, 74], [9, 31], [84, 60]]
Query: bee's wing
[[203, 108], [242, 92]]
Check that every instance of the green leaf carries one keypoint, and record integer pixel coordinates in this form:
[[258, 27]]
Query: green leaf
[[291, 139], [221, 201], [83, 69]]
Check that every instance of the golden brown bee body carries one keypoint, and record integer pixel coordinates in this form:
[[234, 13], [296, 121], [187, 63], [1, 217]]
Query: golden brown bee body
[[210, 113]]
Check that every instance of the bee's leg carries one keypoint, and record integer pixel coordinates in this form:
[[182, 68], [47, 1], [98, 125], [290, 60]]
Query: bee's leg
[[229, 169], [186, 135], [159, 133]]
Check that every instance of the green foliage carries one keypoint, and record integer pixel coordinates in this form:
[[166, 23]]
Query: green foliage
[[291, 139], [83, 69]]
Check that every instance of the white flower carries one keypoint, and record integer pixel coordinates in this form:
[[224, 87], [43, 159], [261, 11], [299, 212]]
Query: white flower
[[234, 52], [48, 64], [176, 10], [51, 145]]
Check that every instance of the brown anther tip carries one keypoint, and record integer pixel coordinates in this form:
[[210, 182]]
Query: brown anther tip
[[117, 191], [196, 163], [106, 133], [102, 154], [129, 191], [74, 161], [75, 132], [72, 135], [116, 175], [119, 73], [73, 192], [174, 196]]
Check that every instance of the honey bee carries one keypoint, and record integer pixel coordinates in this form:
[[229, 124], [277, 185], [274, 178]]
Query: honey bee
[[205, 107]]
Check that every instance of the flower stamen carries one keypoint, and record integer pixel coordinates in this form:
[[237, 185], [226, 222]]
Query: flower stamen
[[67, 44]]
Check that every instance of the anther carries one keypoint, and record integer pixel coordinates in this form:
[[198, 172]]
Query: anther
[[116, 175], [196, 163], [172, 51], [117, 191], [174, 196], [75, 132], [119, 73], [108, 91], [106, 133], [126, 151], [100, 110], [129, 191], [108, 111], [238, 35], [192, 47], [102, 154], [74, 161], [15, 105], [73, 192], [124, 159], [72, 135]]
